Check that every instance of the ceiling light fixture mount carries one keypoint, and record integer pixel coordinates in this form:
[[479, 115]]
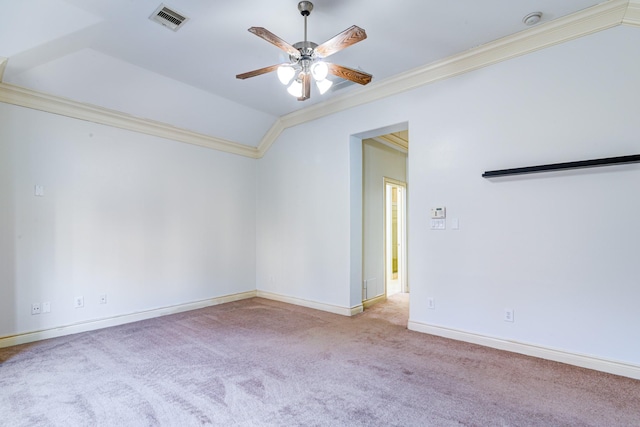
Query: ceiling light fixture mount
[[306, 59], [532, 19], [305, 8]]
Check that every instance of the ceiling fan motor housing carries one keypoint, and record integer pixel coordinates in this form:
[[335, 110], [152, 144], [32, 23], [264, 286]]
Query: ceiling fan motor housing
[[306, 50]]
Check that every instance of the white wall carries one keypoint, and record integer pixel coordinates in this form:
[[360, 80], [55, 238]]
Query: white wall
[[380, 161], [303, 218], [560, 248], [149, 222]]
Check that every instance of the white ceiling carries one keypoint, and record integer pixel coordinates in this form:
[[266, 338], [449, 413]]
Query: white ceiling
[[108, 53]]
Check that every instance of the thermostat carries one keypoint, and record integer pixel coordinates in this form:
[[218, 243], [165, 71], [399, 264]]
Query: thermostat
[[437, 213]]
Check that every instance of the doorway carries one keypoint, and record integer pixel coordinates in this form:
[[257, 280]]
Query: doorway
[[384, 198], [395, 228], [373, 156]]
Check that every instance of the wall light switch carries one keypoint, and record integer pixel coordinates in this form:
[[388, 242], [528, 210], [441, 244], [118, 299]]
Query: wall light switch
[[38, 190], [438, 224]]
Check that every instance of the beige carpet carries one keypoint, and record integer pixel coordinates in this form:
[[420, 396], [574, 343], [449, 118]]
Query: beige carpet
[[263, 363]]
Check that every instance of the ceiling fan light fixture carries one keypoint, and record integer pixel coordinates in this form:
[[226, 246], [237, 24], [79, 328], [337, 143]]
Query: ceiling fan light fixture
[[295, 89], [324, 85], [319, 70], [285, 74], [305, 59]]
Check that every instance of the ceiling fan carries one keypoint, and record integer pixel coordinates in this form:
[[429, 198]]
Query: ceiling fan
[[306, 59]]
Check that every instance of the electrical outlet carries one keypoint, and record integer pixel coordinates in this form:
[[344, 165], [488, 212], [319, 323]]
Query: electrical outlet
[[35, 308], [46, 307], [431, 303], [78, 302], [103, 299], [508, 314]]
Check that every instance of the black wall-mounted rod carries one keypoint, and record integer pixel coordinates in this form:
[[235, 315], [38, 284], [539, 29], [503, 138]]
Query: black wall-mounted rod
[[561, 166]]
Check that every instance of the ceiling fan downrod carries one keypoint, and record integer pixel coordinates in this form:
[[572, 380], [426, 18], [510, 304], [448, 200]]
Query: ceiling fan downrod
[[305, 8], [306, 50]]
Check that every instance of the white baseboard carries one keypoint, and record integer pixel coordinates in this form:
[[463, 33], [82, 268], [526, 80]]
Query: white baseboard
[[92, 325], [344, 311], [583, 361], [373, 301]]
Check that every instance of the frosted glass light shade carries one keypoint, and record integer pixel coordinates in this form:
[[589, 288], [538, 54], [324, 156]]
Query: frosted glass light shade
[[319, 70], [295, 89], [285, 73], [323, 85]]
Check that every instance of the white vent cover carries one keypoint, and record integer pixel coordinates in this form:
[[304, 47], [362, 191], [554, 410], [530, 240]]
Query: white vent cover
[[168, 18]]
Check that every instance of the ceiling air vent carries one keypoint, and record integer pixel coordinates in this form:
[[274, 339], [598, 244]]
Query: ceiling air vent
[[168, 18]]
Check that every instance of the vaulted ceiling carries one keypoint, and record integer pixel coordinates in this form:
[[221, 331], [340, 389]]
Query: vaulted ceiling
[[108, 54]]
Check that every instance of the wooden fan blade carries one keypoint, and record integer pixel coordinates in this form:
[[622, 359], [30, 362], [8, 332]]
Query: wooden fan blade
[[275, 40], [351, 35], [258, 72], [349, 74], [306, 87]]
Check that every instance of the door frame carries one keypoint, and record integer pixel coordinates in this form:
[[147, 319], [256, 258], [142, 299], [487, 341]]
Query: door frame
[[402, 249]]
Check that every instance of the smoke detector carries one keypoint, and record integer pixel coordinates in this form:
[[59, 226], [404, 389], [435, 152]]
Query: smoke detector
[[532, 19], [168, 18]]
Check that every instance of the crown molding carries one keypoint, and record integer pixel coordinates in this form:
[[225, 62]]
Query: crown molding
[[3, 65], [270, 137], [24, 97], [585, 22], [632, 17], [394, 141], [597, 18]]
